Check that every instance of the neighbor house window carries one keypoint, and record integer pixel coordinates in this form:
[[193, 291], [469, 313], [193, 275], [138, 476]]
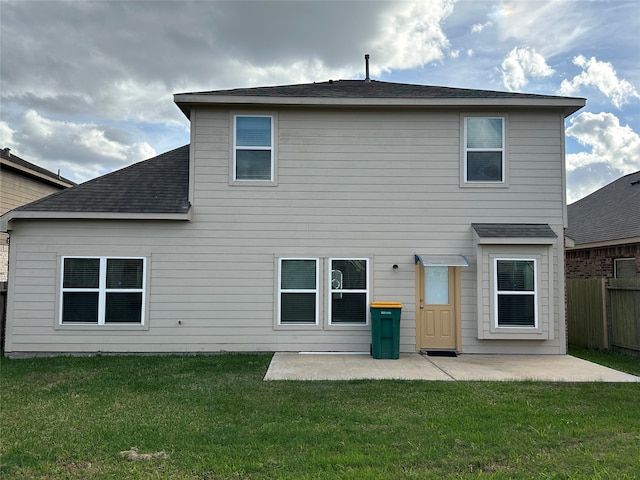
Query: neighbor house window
[[515, 293], [484, 151], [624, 267], [349, 287], [298, 291], [102, 290], [253, 157]]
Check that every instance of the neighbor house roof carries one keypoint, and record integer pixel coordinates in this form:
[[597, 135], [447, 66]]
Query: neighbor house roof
[[16, 164], [372, 93], [154, 188], [610, 215]]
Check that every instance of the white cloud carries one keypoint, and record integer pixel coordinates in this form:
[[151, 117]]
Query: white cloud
[[551, 26], [612, 144], [81, 150], [521, 63], [412, 35], [6, 135], [585, 181], [600, 75], [479, 27]]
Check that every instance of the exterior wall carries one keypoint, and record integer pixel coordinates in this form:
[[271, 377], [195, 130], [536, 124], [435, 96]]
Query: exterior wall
[[17, 190], [350, 184], [599, 262]]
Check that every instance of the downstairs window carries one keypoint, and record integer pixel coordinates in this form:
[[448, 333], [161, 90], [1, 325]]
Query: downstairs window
[[349, 286], [515, 293], [103, 290], [298, 291]]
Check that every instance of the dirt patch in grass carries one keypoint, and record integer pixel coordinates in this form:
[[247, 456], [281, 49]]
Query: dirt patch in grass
[[133, 456]]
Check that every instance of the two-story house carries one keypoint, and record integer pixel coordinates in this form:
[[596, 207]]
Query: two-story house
[[292, 208]]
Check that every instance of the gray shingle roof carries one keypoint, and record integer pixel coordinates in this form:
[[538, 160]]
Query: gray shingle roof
[[362, 89], [608, 214], [360, 93], [157, 185], [513, 230]]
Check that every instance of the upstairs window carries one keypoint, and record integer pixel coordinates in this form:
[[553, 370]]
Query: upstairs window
[[516, 293], [102, 291], [484, 160], [253, 158]]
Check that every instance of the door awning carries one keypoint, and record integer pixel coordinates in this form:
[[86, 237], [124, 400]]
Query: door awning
[[431, 260]]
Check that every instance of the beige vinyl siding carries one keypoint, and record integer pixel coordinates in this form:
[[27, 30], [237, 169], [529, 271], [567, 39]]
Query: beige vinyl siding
[[351, 183], [16, 190]]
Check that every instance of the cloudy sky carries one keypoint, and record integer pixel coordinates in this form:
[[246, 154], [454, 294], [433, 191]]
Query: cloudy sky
[[86, 86]]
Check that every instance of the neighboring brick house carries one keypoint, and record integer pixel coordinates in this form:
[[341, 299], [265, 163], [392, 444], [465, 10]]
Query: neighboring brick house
[[22, 182], [603, 236]]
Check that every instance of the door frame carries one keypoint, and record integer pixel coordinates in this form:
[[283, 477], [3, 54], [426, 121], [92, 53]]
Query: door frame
[[454, 271]]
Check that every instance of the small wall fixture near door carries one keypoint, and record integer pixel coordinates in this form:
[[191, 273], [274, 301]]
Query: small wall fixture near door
[[385, 330]]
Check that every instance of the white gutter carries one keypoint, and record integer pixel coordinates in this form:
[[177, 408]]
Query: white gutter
[[186, 100], [7, 219]]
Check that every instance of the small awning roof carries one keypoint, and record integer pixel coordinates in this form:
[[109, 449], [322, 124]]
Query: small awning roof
[[437, 260]]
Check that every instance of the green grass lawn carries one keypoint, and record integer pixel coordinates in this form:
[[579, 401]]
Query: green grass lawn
[[212, 417]]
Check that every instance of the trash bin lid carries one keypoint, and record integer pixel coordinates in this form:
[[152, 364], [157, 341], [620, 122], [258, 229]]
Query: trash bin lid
[[386, 305]]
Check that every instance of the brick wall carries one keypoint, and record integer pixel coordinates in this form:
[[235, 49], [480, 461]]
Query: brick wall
[[598, 262]]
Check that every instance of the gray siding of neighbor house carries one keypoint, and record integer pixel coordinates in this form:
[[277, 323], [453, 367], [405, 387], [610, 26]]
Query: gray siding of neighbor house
[[352, 183]]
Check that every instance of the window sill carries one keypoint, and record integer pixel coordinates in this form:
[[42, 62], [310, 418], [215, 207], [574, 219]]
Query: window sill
[[253, 183], [298, 326], [484, 185], [506, 333], [95, 327], [348, 326]]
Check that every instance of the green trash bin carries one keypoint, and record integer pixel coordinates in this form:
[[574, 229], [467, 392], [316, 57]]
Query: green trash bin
[[385, 329]]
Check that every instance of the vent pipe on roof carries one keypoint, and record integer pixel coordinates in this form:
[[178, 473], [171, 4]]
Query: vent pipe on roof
[[366, 65]]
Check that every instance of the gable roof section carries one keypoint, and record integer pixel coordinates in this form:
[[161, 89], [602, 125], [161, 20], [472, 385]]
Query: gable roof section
[[11, 161], [373, 93], [610, 215], [154, 188]]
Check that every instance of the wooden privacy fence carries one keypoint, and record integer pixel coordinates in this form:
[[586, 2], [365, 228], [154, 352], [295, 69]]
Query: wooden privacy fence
[[602, 316]]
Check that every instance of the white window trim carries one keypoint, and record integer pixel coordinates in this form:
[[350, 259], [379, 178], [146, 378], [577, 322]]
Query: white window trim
[[102, 292], [239, 181], [497, 293], [463, 162], [298, 290], [331, 291]]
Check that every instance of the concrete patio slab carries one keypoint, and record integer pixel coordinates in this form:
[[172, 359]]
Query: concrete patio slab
[[546, 368], [550, 368], [297, 366]]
